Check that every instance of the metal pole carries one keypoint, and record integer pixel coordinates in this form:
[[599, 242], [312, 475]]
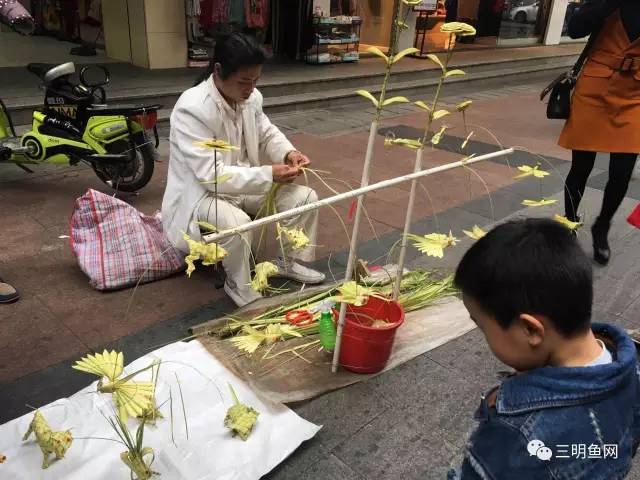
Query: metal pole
[[214, 237]]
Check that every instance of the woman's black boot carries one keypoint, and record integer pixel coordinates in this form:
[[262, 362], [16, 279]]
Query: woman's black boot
[[601, 250]]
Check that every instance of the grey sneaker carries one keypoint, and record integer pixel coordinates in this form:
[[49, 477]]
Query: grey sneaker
[[8, 294], [299, 273], [241, 296]]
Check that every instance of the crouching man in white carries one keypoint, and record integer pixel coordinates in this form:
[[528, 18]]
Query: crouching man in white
[[226, 106]]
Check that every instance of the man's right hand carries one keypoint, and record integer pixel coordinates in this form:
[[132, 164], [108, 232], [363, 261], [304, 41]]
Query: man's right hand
[[284, 173]]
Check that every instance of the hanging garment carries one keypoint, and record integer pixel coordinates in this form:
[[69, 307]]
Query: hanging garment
[[220, 13], [237, 12], [257, 12], [206, 11]]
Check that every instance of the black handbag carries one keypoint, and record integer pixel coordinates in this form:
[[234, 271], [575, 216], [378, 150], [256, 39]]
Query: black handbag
[[559, 91]]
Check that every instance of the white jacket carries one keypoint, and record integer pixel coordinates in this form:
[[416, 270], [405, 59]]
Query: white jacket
[[199, 115]]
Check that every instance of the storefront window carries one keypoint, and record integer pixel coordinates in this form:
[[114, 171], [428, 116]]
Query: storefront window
[[523, 19], [573, 6]]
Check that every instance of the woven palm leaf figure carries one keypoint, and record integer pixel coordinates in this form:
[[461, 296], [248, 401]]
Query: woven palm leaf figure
[[132, 398]]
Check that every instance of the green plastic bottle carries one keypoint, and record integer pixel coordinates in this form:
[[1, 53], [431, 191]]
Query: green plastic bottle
[[327, 328]]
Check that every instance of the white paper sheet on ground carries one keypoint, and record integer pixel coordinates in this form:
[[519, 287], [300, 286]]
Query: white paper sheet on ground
[[210, 452]]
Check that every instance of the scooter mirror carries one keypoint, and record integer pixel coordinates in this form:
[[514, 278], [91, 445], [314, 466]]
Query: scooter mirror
[[94, 76]]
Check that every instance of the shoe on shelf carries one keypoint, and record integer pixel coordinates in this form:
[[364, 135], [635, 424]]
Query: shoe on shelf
[[241, 296], [295, 271], [601, 250], [8, 294]]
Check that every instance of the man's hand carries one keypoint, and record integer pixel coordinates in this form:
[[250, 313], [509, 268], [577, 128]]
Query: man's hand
[[284, 173], [297, 160]]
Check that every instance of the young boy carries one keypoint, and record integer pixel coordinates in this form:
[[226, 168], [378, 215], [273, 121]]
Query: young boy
[[572, 410]]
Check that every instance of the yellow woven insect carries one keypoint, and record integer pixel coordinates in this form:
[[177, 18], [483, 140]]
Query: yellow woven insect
[[403, 142], [264, 271], [461, 107], [528, 171], [207, 227], [132, 398], [50, 442], [476, 233], [466, 141], [437, 138], [538, 203], [240, 418], [355, 294], [458, 28], [253, 338], [210, 254], [218, 145], [296, 237], [566, 222], [433, 244]]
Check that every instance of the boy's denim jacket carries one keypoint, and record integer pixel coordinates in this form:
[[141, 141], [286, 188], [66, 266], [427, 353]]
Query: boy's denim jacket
[[581, 415]]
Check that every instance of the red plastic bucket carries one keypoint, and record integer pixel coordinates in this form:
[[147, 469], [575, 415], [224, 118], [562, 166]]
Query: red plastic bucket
[[366, 349]]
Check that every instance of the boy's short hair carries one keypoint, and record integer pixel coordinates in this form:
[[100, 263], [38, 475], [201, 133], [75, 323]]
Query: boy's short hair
[[532, 266]]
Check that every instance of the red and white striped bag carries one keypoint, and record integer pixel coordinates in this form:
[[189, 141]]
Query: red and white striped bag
[[117, 246]]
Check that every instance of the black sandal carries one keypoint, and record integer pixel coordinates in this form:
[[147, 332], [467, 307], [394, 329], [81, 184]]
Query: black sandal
[[8, 294]]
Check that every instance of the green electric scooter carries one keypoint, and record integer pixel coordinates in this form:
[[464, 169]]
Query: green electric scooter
[[76, 125]]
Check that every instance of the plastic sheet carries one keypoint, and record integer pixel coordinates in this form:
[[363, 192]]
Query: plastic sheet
[[209, 452]]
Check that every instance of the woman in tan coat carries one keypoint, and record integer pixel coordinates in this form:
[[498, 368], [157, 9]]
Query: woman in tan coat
[[605, 109]]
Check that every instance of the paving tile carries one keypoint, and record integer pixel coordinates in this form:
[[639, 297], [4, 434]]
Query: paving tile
[[501, 204], [343, 412], [302, 460], [32, 338], [331, 468], [416, 388], [471, 357], [41, 388], [112, 314], [600, 180], [398, 445]]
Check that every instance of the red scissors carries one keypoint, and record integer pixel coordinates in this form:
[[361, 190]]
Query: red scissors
[[299, 317]]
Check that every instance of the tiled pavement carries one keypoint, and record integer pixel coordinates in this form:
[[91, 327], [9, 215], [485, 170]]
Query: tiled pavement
[[408, 423]]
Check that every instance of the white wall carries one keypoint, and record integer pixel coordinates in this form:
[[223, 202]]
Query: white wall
[[556, 22]]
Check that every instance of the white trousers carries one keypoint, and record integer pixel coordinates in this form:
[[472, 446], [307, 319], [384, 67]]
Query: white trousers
[[233, 211]]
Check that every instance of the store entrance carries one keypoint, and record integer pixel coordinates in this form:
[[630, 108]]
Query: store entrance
[[502, 22], [62, 31]]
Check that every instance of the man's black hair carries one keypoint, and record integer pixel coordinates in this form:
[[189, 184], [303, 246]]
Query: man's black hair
[[234, 51], [532, 266]]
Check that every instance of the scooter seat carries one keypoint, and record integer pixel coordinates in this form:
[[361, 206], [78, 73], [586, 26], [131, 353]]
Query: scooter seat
[[48, 74]]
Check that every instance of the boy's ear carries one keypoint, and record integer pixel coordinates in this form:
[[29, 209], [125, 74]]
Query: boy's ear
[[533, 329], [217, 70]]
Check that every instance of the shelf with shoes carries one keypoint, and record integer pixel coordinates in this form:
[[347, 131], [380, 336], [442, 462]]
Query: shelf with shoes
[[335, 40]]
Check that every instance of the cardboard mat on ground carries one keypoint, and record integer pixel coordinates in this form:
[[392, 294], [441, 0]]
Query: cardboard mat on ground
[[292, 377]]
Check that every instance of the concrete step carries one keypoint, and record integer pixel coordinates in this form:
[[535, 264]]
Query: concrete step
[[332, 91]]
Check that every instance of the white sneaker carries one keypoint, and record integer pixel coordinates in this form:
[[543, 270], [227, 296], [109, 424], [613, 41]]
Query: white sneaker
[[299, 273], [242, 296]]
